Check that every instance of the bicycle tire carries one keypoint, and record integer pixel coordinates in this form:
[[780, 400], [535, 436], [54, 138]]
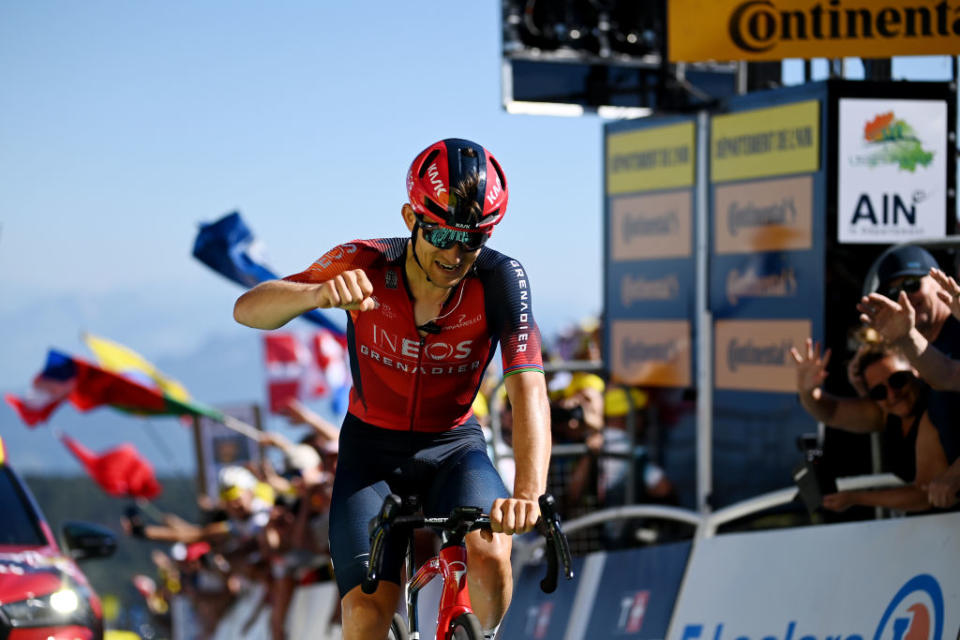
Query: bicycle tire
[[466, 626], [398, 628]]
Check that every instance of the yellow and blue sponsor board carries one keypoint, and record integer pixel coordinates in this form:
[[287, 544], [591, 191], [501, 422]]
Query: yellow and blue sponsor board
[[650, 158], [765, 141], [766, 283]]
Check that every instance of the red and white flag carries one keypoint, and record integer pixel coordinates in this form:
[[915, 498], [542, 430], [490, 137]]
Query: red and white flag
[[304, 366]]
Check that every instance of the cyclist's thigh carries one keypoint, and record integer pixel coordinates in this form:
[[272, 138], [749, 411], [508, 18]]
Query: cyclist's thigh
[[358, 492], [466, 477]]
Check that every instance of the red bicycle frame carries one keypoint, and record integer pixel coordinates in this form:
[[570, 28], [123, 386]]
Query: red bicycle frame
[[451, 565]]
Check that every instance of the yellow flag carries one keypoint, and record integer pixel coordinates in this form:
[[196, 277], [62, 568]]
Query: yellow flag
[[125, 361]]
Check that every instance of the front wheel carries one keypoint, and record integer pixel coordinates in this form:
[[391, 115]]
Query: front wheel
[[466, 627], [398, 628]]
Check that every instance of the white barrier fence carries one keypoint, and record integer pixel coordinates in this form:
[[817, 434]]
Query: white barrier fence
[[894, 579]]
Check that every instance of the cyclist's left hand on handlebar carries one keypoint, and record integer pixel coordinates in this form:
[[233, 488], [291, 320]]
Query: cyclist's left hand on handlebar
[[513, 515]]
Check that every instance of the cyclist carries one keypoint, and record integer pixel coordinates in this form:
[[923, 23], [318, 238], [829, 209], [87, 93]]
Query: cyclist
[[425, 315]]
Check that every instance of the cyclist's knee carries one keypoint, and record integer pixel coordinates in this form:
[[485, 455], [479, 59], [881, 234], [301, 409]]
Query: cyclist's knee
[[489, 551]]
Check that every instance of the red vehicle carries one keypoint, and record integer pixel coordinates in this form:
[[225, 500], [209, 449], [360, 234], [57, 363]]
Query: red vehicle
[[43, 593]]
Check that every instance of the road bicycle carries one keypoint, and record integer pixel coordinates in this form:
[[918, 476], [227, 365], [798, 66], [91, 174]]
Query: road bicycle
[[455, 618]]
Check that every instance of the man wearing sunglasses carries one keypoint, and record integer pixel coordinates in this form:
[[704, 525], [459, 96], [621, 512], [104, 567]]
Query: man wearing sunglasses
[[912, 311], [425, 315]]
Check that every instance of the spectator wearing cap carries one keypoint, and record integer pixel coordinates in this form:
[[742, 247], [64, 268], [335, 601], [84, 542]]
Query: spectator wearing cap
[[248, 511], [916, 310]]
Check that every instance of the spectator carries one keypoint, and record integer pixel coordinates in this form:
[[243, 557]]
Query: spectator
[[895, 406], [918, 313], [912, 310], [650, 480], [576, 416]]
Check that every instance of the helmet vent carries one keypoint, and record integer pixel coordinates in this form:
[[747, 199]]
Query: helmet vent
[[426, 163], [496, 167], [492, 215], [434, 208]]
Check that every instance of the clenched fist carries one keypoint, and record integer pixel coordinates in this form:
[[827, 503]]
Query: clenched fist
[[350, 290]]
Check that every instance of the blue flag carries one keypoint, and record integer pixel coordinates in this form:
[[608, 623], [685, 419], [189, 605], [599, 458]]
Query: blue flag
[[228, 247]]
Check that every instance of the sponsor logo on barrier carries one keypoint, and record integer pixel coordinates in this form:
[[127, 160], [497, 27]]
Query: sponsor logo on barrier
[[749, 284], [776, 29], [651, 352], [769, 215], [651, 158], [754, 355], [538, 620], [765, 142], [914, 613], [892, 170], [633, 606], [651, 226], [639, 288]]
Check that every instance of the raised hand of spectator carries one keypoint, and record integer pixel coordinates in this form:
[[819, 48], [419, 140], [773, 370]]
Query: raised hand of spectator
[[949, 290], [892, 320], [839, 501], [811, 368], [942, 491]]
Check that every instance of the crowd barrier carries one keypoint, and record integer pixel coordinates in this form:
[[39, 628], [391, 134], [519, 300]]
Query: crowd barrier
[[890, 579]]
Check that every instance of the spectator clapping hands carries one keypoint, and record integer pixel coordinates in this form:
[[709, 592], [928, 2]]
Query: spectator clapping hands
[[949, 292], [892, 320]]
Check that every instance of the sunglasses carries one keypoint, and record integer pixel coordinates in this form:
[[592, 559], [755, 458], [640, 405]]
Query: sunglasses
[[896, 381], [910, 285], [444, 237]]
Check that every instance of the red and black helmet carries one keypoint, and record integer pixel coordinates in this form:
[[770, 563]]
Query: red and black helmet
[[441, 167]]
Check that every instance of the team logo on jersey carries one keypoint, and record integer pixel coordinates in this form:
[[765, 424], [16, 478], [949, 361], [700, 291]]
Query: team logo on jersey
[[390, 279]]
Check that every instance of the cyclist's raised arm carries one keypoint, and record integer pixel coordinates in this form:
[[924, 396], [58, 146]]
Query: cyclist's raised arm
[[527, 391], [274, 303], [335, 280]]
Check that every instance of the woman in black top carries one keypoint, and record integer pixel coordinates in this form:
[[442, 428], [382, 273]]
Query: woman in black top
[[895, 404]]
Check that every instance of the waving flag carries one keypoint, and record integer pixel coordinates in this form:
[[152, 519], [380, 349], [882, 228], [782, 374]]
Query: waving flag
[[87, 386], [300, 368], [120, 471], [228, 247], [117, 358]]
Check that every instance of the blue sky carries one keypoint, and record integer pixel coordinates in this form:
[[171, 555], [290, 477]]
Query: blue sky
[[125, 124]]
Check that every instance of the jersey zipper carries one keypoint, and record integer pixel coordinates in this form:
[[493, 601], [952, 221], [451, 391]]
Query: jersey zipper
[[416, 383]]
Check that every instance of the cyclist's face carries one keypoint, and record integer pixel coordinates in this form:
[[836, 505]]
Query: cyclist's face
[[445, 267]]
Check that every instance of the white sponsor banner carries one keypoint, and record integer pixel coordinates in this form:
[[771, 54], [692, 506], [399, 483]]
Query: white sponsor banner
[[892, 170], [885, 580]]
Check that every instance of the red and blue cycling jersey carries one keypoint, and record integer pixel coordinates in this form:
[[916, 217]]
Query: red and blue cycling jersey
[[405, 381]]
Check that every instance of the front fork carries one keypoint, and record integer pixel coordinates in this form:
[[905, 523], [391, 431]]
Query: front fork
[[451, 564]]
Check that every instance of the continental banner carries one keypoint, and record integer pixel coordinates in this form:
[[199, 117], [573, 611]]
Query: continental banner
[[767, 215], [702, 30], [650, 158], [754, 355], [655, 289], [773, 141], [658, 225], [654, 353]]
